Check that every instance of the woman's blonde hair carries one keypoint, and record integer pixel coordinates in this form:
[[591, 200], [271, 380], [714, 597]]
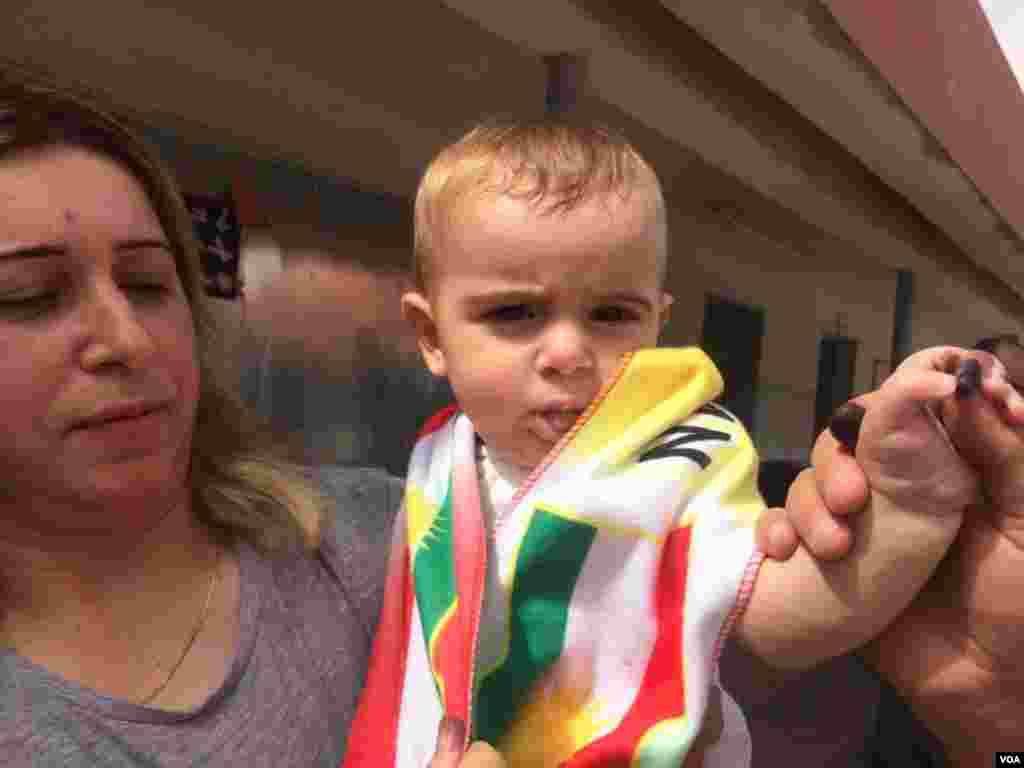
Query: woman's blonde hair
[[242, 485], [553, 163]]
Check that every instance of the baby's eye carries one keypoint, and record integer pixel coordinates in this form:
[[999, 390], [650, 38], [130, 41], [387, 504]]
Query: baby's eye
[[614, 314], [512, 313]]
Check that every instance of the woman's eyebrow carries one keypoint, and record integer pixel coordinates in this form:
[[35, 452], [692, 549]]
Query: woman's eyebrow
[[40, 251], [143, 244], [14, 251]]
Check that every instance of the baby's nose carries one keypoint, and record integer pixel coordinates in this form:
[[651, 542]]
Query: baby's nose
[[566, 349]]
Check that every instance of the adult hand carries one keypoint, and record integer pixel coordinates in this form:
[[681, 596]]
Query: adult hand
[[955, 653], [451, 737], [819, 519]]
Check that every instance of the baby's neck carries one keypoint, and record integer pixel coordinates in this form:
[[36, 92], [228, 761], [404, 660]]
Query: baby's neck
[[510, 473]]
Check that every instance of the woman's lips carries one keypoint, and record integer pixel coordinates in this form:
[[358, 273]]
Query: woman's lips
[[119, 411], [126, 432]]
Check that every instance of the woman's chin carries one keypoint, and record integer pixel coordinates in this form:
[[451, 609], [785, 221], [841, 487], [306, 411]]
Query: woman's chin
[[133, 491]]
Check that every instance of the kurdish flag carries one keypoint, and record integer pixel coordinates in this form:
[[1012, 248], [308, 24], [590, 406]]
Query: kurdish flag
[[626, 557]]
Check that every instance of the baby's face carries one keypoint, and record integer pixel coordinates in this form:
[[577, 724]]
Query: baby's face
[[532, 312]]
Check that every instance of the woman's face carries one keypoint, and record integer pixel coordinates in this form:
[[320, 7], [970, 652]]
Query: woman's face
[[98, 371]]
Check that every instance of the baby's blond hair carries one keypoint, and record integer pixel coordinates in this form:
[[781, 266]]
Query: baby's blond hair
[[553, 164]]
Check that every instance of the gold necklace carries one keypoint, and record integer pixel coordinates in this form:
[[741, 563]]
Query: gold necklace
[[192, 638]]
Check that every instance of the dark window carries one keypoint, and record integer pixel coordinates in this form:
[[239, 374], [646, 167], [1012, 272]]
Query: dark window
[[731, 336]]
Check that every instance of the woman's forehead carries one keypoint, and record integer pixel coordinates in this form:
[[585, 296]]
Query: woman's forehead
[[64, 192]]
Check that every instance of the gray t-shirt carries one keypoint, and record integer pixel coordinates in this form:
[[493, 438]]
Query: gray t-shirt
[[306, 625]]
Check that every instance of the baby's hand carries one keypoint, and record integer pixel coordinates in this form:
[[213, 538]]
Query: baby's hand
[[903, 447]]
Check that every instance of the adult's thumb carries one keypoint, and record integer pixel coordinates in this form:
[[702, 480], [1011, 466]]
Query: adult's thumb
[[994, 448]]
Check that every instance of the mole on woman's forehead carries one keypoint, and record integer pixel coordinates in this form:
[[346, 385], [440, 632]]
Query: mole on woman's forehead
[[70, 217]]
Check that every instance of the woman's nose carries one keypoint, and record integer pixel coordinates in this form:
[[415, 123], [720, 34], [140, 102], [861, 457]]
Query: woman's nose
[[115, 332]]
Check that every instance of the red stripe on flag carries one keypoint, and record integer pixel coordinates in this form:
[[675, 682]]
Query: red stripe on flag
[[470, 550], [455, 647], [661, 695], [374, 735], [437, 421], [449, 663]]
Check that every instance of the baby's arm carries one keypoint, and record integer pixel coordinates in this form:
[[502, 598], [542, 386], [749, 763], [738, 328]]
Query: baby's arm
[[803, 610]]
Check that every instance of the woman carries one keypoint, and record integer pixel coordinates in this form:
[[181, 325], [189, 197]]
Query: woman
[[172, 592]]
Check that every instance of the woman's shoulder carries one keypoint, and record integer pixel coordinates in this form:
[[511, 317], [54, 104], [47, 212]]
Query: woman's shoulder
[[364, 497], [355, 533]]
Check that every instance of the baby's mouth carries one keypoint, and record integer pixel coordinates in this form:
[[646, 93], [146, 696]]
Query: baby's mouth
[[558, 422]]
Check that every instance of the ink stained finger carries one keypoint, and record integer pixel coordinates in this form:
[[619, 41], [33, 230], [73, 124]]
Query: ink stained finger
[[845, 425], [968, 378]]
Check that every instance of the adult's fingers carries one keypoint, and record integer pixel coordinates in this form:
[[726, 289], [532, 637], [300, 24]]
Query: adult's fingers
[[997, 387], [835, 487], [825, 536], [775, 534], [841, 481], [996, 449], [1011, 355]]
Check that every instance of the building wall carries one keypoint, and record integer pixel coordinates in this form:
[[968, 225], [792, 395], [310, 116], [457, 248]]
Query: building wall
[[805, 297]]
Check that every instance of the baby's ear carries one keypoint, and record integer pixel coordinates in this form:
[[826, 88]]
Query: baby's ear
[[418, 312]]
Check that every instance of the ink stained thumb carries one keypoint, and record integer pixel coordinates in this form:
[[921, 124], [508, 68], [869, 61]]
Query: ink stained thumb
[[845, 425]]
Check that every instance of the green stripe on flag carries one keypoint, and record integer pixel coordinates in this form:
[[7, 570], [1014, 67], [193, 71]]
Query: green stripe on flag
[[547, 567], [434, 574]]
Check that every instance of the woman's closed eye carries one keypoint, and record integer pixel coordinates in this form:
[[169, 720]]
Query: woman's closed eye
[[28, 305], [33, 305], [148, 290]]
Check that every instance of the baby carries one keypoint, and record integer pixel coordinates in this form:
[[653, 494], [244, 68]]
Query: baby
[[576, 540]]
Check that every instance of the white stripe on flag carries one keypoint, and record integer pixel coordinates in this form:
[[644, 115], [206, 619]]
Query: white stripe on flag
[[719, 552], [611, 620], [420, 711]]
